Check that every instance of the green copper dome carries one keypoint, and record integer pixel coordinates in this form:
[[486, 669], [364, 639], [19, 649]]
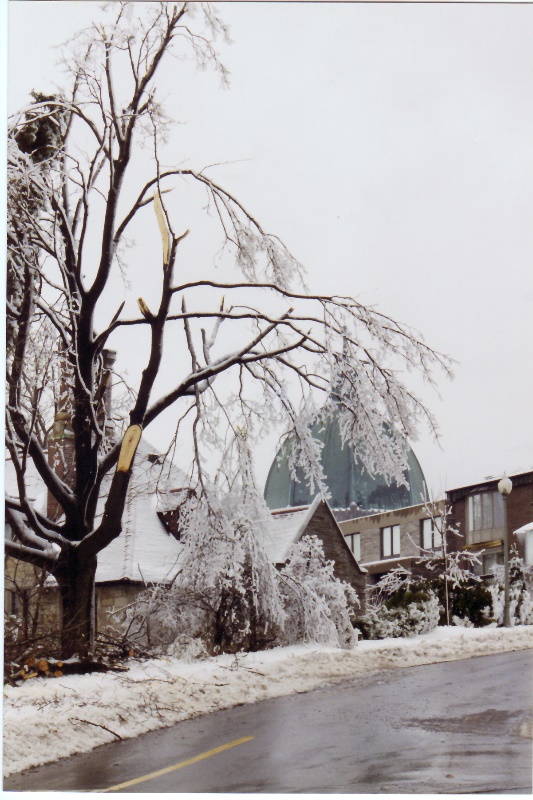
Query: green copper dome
[[350, 485]]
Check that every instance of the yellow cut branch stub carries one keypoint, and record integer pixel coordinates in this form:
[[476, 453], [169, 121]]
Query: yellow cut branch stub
[[145, 311], [161, 221], [131, 439]]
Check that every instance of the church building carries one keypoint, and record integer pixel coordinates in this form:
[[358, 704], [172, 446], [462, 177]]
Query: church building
[[353, 491]]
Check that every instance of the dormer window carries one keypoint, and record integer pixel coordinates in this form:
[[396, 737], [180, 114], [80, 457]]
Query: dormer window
[[171, 522], [173, 504], [155, 458]]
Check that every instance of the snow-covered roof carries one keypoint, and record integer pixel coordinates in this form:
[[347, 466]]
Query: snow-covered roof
[[525, 528], [285, 529], [144, 551], [388, 561]]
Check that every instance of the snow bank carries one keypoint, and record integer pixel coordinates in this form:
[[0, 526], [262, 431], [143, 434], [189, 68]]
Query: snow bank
[[76, 713]]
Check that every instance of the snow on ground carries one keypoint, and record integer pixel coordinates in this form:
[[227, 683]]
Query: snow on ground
[[46, 719]]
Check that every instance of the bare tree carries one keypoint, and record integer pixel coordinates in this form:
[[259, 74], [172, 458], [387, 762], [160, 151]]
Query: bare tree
[[291, 356]]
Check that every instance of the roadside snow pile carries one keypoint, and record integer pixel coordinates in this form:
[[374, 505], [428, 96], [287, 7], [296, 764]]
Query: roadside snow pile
[[47, 719]]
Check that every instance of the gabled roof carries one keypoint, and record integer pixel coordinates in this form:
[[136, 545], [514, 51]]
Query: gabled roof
[[145, 551], [286, 528]]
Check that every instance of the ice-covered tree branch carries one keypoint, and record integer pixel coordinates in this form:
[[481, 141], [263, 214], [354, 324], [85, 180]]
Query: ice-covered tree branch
[[240, 344]]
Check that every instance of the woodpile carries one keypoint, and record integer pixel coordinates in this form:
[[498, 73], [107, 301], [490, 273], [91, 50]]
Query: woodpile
[[33, 668], [44, 668]]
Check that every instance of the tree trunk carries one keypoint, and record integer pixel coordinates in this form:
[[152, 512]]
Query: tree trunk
[[76, 587]]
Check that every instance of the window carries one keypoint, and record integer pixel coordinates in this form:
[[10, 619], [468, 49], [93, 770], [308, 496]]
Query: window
[[390, 541], [484, 511], [487, 563], [353, 540], [431, 533], [12, 603], [491, 560]]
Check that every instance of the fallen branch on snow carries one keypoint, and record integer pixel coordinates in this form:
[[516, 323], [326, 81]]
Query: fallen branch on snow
[[96, 725]]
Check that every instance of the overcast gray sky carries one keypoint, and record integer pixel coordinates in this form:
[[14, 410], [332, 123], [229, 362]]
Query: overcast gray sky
[[391, 147]]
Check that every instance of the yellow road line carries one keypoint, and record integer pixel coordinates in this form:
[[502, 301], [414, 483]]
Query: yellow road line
[[181, 764]]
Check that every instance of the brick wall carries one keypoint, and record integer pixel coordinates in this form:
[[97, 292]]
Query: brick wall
[[61, 457], [520, 509], [371, 543], [410, 537]]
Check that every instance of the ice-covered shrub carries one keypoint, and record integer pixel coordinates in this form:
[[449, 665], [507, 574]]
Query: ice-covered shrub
[[462, 622], [210, 611], [409, 612], [317, 605], [520, 592], [226, 592], [463, 598]]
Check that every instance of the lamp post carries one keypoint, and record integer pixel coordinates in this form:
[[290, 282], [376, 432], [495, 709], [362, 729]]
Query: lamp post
[[505, 487]]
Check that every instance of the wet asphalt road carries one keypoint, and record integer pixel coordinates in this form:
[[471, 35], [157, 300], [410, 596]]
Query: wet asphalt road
[[457, 727]]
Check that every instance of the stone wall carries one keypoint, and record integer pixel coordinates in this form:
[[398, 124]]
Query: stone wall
[[112, 598], [324, 526], [26, 594], [28, 599]]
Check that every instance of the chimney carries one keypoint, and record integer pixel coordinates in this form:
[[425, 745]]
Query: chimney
[[61, 445], [61, 450], [109, 357]]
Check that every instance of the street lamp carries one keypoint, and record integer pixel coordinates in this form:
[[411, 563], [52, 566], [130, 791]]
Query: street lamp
[[505, 487]]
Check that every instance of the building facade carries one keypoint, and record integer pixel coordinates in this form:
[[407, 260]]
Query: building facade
[[477, 510], [381, 542], [474, 519]]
